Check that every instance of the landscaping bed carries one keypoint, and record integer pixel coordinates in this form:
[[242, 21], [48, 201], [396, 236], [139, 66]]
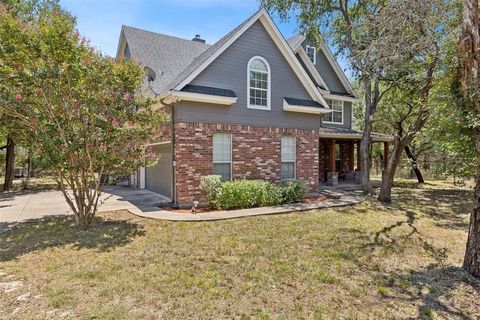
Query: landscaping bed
[[206, 209]]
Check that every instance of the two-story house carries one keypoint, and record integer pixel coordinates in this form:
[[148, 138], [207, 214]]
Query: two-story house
[[253, 105]]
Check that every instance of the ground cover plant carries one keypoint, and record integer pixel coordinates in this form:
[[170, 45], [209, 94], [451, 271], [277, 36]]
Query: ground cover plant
[[366, 261]]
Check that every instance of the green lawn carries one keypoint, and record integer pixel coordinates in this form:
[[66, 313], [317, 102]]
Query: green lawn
[[365, 261]]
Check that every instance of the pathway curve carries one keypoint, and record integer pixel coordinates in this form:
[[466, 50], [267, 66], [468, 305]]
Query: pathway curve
[[344, 200]]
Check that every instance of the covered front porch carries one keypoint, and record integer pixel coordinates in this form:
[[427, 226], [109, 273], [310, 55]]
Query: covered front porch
[[339, 155]]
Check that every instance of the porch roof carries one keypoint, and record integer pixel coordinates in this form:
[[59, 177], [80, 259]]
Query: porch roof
[[343, 133]]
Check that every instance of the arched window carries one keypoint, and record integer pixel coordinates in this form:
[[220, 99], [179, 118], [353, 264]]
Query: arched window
[[258, 84]]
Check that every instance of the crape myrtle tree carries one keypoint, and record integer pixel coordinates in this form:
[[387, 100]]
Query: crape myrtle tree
[[77, 107], [357, 29], [467, 88]]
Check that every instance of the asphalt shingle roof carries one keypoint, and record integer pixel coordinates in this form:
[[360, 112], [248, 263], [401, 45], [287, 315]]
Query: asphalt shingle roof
[[206, 54], [209, 90], [166, 55], [303, 102], [295, 41], [375, 135]]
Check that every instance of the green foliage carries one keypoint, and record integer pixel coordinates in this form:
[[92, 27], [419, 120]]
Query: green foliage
[[248, 194], [78, 108], [211, 186], [292, 191], [241, 194]]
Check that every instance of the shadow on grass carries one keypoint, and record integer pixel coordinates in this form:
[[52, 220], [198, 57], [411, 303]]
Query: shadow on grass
[[433, 288], [102, 235], [449, 208]]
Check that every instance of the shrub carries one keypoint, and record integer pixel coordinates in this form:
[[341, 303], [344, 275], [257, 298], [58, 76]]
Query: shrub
[[247, 194], [292, 191], [240, 194], [211, 186]]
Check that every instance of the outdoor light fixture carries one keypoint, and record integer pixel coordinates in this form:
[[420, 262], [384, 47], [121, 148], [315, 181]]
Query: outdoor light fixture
[[194, 208]]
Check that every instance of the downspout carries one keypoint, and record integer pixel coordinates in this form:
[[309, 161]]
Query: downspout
[[172, 143], [174, 162]]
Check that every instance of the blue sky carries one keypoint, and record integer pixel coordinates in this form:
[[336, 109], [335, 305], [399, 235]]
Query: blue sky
[[101, 20]]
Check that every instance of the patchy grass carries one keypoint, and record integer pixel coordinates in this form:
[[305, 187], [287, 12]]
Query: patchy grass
[[366, 261], [35, 184]]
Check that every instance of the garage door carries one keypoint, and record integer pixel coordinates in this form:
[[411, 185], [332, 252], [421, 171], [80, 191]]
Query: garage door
[[158, 178]]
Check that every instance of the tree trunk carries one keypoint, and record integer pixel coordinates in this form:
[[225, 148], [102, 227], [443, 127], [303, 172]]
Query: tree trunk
[[414, 163], [471, 262], [9, 164], [388, 173], [365, 141], [468, 81]]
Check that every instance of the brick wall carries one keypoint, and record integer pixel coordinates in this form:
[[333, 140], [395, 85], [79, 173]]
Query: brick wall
[[255, 155], [346, 150]]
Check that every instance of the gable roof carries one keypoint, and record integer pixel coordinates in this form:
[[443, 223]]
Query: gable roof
[[206, 58], [166, 55], [295, 43]]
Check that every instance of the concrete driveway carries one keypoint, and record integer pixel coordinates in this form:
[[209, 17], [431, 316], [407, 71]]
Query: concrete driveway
[[24, 207]]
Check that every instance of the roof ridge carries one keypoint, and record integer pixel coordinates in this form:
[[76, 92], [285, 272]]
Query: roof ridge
[[162, 34], [208, 52]]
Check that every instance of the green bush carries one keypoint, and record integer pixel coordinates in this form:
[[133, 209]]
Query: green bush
[[240, 194], [211, 186], [292, 191]]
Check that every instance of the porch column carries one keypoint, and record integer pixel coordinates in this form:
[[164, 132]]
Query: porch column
[[332, 157], [351, 154], [385, 155], [359, 158]]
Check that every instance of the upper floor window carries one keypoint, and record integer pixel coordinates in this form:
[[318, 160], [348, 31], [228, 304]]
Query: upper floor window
[[258, 84], [336, 116], [312, 54]]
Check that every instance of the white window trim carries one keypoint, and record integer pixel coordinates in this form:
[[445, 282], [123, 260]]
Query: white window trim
[[269, 88], [314, 54], [343, 114], [294, 159], [231, 155]]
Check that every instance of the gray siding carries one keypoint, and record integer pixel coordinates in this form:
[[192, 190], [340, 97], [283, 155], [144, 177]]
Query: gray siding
[[327, 72], [347, 117], [158, 178], [229, 71]]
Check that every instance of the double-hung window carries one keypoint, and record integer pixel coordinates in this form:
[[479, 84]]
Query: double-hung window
[[288, 158], [312, 54], [336, 116], [222, 155], [258, 84]]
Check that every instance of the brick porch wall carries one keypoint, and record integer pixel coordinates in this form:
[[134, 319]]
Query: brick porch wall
[[255, 155], [346, 150]]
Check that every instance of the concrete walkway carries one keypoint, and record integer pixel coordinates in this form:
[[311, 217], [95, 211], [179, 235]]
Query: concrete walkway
[[24, 207], [233, 214]]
